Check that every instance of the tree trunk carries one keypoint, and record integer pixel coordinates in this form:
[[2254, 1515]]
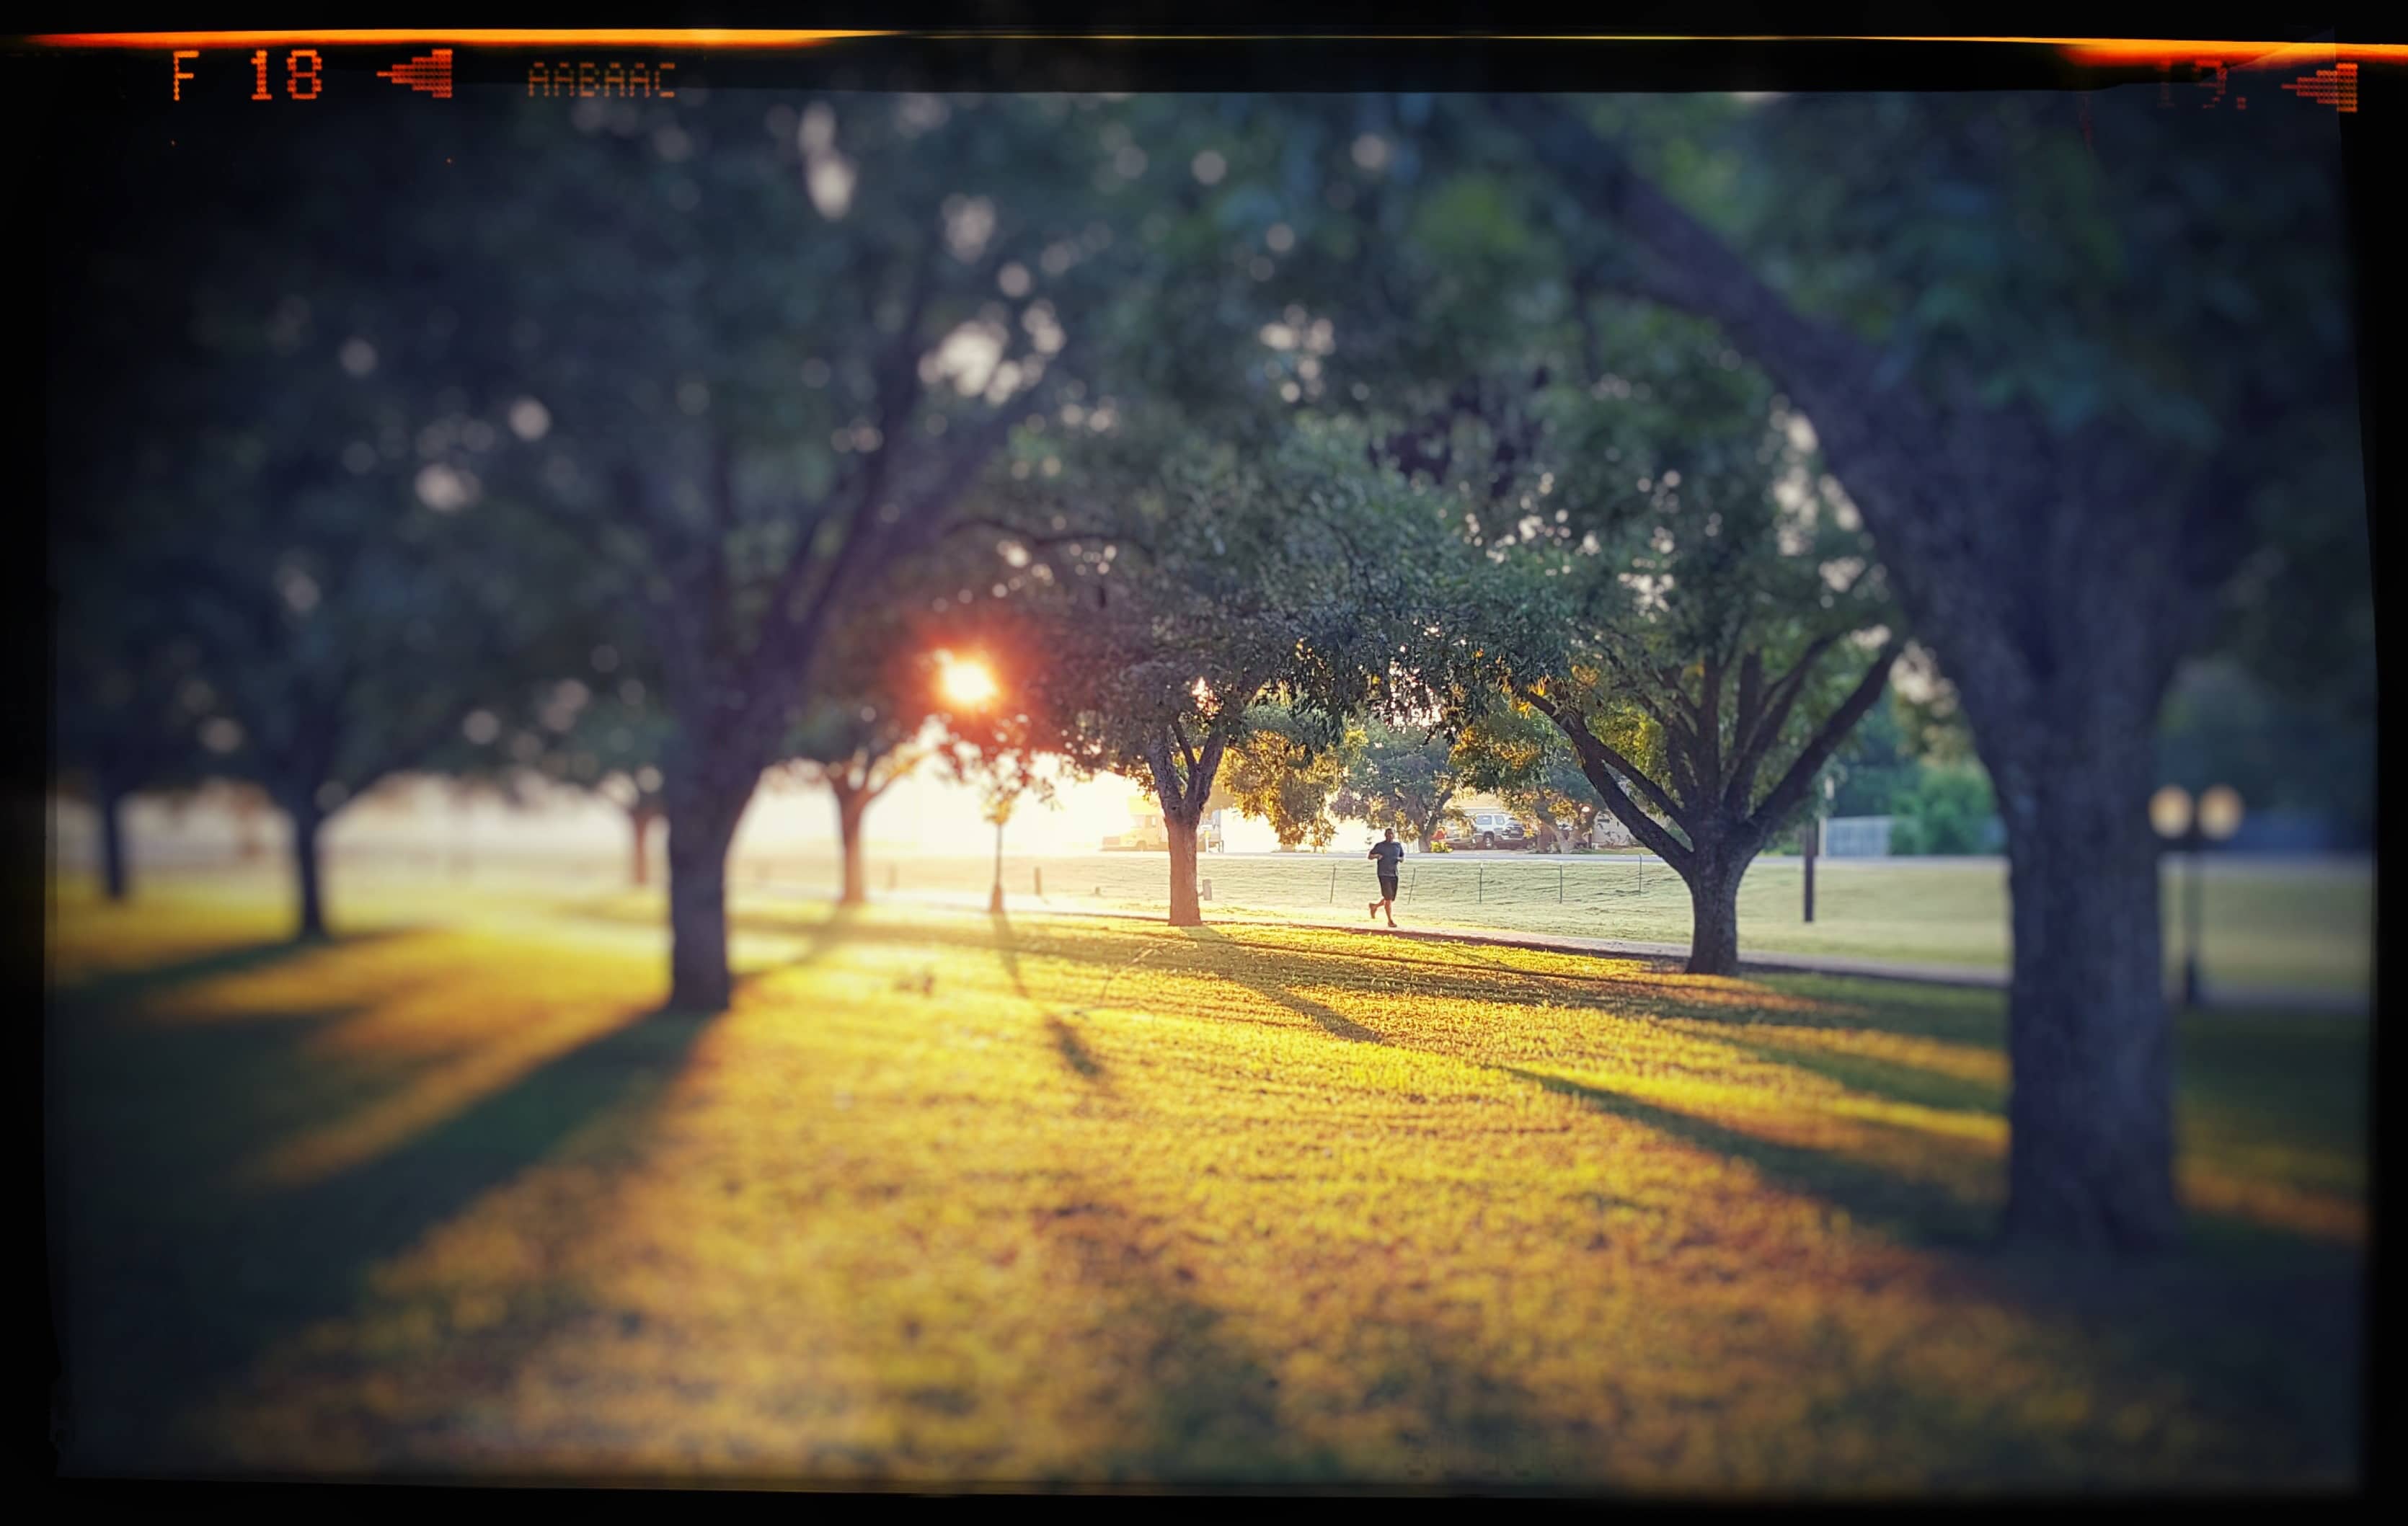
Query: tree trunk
[[112, 842], [1428, 832], [702, 825], [1713, 914], [1185, 909], [306, 820], [2091, 1158], [850, 805], [640, 819]]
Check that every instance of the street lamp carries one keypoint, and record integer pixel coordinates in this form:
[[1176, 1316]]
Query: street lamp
[[999, 813], [2215, 816], [1810, 838]]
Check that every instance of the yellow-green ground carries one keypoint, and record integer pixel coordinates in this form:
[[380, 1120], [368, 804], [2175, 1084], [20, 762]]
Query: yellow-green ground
[[2280, 925], [949, 1198]]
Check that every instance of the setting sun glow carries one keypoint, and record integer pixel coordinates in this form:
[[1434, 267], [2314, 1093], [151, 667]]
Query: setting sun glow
[[965, 682]]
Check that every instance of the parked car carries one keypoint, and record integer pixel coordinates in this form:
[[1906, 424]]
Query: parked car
[[1496, 829]]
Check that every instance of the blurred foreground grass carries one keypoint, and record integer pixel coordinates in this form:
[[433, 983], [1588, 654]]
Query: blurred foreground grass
[[950, 1198]]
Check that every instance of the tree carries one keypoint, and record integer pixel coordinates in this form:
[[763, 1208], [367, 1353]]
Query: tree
[[2067, 428], [1723, 624], [775, 365], [1404, 778], [860, 737], [606, 739], [131, 700], [346, 634], [1276, 774], [1519, 755], [298, 510], [1256, 589], [1552, 398]]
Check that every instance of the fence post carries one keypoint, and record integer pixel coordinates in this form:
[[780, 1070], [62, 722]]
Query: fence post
[[1037, 880], [1559, 884], [1333, 884], [1480, 886]]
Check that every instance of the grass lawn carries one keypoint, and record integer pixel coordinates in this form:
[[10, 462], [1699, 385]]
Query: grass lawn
[[949, 1198], [2267, 926]]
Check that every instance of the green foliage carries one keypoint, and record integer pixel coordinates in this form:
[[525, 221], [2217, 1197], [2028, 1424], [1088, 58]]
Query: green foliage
[[1406, 778], [1200, 590], [2281, 749], [1878, 764], [309, 522], [1980, 239], [1274, 776], [1949, 811], [2177, 276]]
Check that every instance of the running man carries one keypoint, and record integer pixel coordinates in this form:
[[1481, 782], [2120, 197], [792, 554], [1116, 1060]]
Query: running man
[[1389, 852]]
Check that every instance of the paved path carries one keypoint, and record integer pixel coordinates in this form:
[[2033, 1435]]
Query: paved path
[[2345, 1003]]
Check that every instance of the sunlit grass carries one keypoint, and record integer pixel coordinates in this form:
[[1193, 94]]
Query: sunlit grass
[[2276, 925], [948, 1199]]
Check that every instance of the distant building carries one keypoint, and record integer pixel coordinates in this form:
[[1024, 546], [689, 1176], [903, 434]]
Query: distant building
[[1147, 834], [1872, 837], [1856, 837]]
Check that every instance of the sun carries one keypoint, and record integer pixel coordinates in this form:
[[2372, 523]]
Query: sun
[[965, 682]]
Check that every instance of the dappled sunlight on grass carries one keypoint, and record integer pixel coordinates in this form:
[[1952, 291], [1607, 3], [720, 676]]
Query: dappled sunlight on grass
[[947, 1197]]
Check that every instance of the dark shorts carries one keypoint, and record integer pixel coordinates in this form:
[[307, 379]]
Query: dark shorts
[[1388, 887]]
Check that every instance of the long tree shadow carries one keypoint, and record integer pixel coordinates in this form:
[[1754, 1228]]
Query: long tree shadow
[[2234, 1326], [1067, 1042], [1914, 1212], [175, 1283], [841, 924], [1893, 1080], [1214, 1410], [1235, 962], [116, 987], [1616, 987]]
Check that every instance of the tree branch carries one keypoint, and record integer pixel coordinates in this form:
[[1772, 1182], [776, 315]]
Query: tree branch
[[1777, 704], [1794, 784], [1599, 764], [1709, 728], [1034, 539], [1903, 457], [1186, 755], [1594, 748]]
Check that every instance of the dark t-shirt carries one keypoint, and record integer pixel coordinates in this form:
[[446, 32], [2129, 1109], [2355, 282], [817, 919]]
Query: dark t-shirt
[[1389, 855]]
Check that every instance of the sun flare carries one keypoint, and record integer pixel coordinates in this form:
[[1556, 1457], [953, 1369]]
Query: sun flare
[[965, 682]]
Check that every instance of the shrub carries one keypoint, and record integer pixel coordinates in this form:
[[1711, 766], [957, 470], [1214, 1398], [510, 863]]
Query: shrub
[[1948, 811]]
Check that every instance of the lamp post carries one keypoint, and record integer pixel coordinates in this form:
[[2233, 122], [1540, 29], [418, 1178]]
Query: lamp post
[[995, 897], [1810, 839], [2215, 816]]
